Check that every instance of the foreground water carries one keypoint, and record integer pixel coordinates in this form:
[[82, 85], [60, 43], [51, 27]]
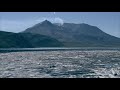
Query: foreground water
[[92, 63]]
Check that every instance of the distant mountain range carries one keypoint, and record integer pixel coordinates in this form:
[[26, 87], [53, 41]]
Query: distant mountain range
[[47, 34], [75, 35]]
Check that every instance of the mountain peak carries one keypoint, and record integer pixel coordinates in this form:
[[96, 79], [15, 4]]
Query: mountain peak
[[46, 22]]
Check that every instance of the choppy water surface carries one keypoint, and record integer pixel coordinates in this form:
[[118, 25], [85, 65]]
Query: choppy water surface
[[61, 64]]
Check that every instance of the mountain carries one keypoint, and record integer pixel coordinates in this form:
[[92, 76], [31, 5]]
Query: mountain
[[26, 40], [75, 35], [49, 29]]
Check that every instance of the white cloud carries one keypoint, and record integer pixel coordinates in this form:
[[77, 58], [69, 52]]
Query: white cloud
[[59, 20]]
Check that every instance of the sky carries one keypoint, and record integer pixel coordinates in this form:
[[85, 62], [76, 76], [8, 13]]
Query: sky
[[108, 22]]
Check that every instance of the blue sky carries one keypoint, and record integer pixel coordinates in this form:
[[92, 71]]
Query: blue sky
[[109, 22]]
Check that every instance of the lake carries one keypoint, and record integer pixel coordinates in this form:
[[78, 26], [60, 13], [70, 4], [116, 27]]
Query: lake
[[60, 62]]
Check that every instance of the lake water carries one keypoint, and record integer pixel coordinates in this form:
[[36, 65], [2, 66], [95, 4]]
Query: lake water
[[60, 62], [59, 48]]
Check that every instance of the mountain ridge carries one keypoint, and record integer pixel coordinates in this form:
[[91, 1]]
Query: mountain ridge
[[75, 34]]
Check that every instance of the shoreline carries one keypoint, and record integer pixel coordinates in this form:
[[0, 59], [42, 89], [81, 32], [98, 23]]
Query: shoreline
[[58, 49]]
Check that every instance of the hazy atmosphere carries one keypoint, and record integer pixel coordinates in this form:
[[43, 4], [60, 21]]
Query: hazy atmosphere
[[109, 22]]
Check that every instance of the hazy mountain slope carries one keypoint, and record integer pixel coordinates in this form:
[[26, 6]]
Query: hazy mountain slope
[[13, 40], [37, 40], [26, 40]]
